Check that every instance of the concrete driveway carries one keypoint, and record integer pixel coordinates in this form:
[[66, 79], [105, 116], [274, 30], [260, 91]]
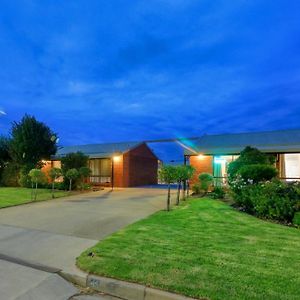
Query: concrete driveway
[[53, 233]]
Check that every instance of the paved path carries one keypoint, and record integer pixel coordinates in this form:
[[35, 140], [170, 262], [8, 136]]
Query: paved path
[[18, 282], [53, 233], [92, 216]]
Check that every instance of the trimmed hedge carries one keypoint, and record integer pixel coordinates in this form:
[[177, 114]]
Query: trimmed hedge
[[258, 172]]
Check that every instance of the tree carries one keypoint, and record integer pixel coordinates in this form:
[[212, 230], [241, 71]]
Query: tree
[[31, 142], [167, 174], [205, 181], [72, 175], [54, 173], [179, 177], [189, 172], [73, 160], [37, 176], [249, 156], [4, 153], [182, 174], [84, 173]]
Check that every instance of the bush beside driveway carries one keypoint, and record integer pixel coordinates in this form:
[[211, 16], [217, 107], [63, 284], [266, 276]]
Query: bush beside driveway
[[204, 248]]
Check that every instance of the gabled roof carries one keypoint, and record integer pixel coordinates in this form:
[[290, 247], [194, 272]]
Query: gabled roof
[[99, 150], [279, 141]]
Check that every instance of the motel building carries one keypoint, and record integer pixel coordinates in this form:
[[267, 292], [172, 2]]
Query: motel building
[[212, 153], [125, 164]]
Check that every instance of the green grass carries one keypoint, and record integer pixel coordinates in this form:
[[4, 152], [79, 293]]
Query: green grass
[[16, 196], [296, 219], [203, 249]]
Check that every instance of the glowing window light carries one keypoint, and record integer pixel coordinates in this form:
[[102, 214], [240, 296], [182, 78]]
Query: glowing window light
[[219, 160]]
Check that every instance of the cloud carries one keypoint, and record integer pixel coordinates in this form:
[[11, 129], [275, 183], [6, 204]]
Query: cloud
[[112, 70]]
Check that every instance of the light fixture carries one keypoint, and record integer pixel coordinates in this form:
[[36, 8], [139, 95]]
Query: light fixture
[[200, 156], [116, 158]]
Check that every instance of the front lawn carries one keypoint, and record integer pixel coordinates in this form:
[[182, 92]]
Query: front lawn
[[204, 248], [15, 196]]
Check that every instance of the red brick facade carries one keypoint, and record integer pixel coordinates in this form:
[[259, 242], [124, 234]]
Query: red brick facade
[[202, 164], [136, 167]]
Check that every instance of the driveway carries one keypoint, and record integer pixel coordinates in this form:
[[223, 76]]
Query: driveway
[[53, 233]]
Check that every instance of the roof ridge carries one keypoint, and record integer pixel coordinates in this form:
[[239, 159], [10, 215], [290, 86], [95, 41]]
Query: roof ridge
[[251, 132], [101, 144]]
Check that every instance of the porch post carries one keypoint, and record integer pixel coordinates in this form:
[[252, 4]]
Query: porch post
[[112, 174]]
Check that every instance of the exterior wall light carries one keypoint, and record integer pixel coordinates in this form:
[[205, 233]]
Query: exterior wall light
[[200, 156], [116, 158]]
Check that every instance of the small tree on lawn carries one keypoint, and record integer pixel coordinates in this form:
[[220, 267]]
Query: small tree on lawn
[[37, 176], [180, 175], [73, 160], [54, 173], [205, 182], [72, 175], [84, 173], [187, 176], [167, 174]]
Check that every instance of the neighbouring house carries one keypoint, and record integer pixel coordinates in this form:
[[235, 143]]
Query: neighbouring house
[[212, 153], [125, 164]]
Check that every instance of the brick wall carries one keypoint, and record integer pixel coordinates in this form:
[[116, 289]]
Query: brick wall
[[140, 167], [119, 171], [202, 164]]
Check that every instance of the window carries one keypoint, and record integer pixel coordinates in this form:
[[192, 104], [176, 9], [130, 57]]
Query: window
[[220, 167], [291, 166], [101, 170]]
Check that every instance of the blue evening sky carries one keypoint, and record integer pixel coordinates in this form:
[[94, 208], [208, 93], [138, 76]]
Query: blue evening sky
[[101, 71]]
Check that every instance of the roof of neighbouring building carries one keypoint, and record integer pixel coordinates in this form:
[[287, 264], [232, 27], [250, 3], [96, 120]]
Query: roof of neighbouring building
[[99, 150], [279, 141]]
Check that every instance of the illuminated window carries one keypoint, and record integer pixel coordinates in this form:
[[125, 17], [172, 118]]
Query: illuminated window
[[292, 166], [220, 167]]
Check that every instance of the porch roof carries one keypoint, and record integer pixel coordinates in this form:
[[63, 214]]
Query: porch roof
[[98, 150], [280, 141]]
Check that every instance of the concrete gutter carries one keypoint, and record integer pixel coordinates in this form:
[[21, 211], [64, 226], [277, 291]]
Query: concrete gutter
[[121, 289]]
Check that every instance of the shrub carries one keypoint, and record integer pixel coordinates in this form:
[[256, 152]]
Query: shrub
[[257, 173], [71, 175], [84, 173], [278, 201], [218, 192], [206, 180], [196, 188], [272, 200], [10, 175], [74, 160], [25, 180], [296, 219], [249, 156]]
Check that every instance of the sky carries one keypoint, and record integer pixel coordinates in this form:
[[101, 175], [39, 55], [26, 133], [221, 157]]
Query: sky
[[107, 71]]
